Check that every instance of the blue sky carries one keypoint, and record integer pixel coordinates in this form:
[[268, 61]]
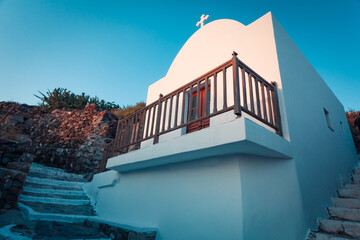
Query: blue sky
[[116, 49]]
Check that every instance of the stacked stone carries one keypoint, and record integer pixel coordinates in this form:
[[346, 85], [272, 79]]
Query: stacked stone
[[15, 161], [16, 120], [118, 233], [73, 139]]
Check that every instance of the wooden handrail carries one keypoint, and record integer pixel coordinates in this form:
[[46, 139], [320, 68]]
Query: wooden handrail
[[252, 95]]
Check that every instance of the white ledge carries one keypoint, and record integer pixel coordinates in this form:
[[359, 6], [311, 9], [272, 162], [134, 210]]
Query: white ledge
[[240, 136]]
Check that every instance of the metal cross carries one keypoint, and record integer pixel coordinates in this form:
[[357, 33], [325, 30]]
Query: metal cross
[[203, 18]]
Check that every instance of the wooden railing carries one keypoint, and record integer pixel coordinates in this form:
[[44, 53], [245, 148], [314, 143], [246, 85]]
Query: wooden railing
[[251, 94]]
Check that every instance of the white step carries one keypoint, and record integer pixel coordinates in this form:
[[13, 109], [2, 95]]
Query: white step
[[323, 236], [53, 200], [349, 193], [54, 191], [38, 168], [53, 182], [350, 214], [351, 229], [32, 215], [346, 202]]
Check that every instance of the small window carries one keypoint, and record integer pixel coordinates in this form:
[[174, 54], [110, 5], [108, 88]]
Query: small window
[[342, 127], [327, 115]]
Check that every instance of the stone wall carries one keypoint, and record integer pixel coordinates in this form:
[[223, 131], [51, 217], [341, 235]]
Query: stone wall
[[69, 139], [73, 139], [15, 161], [16, 150]]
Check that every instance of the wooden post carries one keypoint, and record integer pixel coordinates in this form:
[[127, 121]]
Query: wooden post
[[157, 127], [237, 107], [277, 110], [224, 89]]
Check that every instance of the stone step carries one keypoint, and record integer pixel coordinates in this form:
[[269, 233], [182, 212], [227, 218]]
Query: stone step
[[46, 216], [350, 214], [352, 186], [51, 230], [355, 178], [45, 186], [54, 191], [53, 182], [63, 209], [83, 197], [346, 203], [341, 228], [349, 193], [323, 236], [56, 177], [39, 168], [53, 200]]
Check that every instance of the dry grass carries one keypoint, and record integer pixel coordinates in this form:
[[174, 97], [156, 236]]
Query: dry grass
[[130, 109]]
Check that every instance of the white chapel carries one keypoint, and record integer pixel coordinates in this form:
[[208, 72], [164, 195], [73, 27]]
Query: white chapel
[[241, 139]]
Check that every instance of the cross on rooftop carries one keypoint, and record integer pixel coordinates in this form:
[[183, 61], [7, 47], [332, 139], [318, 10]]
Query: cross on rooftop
[[203, 18]]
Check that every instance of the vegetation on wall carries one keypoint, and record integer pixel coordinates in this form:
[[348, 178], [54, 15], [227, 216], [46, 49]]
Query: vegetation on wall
[[128, 110], [63, 98], [355, 131]]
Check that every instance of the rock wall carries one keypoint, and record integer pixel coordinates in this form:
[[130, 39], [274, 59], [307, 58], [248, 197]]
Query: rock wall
[[15, 161], [73, 139], [69, 139], [16, 150]]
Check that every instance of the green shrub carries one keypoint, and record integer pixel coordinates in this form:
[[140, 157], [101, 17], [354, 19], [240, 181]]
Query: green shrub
[[63, 98]]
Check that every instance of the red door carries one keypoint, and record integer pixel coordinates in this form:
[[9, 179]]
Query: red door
[[204, 106]]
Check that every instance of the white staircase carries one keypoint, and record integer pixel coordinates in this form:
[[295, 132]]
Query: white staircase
[[344, 215], [54, 195]]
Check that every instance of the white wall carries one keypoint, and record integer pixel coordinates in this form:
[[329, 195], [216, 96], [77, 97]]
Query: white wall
[[193, 200], [322, 157], [228, 197]]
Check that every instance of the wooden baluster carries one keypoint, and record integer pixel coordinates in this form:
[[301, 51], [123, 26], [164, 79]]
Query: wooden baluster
[[263, 100], [251, 93], [133, 139], [269, 105], [215, 94], [117, 136], [257, 96], [176, 109], [157, 128], [277, 110], [141, 125], [198, 101], [164, 115], [237, 107], [183, 107], [243, 70], [190, 104], [126, 130], [153, 120], [170, 112], [147, 122], [206, 95], [224, 89]]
